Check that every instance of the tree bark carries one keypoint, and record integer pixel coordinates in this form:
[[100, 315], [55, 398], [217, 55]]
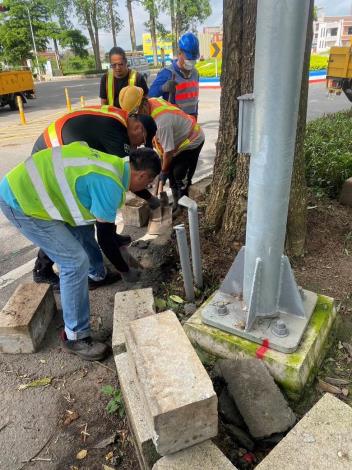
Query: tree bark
[[225, 161], [57, 55], [177, 22], [91, 22], [96, 35], [173, 28], [235, 216], [113, 24], [131, 21], [297, 211], [153, 34]]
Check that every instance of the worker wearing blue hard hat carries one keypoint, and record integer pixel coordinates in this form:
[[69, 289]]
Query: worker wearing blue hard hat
[[179, 83]]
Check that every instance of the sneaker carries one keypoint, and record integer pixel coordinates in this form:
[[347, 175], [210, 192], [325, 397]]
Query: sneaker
[[46, 277], [86, 348], [110, 278]]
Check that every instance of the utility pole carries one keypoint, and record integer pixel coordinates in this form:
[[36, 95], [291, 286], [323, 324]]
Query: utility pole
[[33, 40]]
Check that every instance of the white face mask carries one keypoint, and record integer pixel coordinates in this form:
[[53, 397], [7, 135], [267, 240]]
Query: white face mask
[[189, 64]]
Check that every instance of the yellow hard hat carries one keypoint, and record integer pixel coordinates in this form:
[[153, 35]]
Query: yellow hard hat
[[130, 98]]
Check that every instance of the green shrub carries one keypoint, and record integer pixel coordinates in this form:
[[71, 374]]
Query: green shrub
[[328, 152]]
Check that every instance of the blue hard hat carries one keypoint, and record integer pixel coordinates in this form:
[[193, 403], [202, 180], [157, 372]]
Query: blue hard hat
[[189, 45]]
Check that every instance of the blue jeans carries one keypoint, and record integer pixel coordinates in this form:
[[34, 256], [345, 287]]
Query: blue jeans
[[76, 252]]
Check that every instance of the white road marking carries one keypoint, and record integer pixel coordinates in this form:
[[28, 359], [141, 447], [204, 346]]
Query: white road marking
[[16, 274]]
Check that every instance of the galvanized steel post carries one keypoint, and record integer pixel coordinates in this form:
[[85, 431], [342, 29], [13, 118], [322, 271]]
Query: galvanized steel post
[[280, 43]]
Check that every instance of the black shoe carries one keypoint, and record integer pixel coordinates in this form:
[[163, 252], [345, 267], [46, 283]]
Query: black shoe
[[110, 278], [123, 240], [46, 276], [86, 348]]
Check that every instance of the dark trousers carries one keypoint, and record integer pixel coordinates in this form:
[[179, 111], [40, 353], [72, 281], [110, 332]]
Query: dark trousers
[[183, 166]]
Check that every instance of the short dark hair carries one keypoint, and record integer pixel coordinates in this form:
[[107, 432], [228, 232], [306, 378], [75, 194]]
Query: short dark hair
[[145, 159], [118, 51]]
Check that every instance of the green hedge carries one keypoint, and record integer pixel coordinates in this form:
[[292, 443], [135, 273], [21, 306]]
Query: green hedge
[[328, 152]]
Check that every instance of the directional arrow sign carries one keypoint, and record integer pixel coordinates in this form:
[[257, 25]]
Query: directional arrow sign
[[216, 49]]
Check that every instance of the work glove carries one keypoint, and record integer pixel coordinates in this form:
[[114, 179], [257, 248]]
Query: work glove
[[153, 202], [169, 87], [132, 275], [163, 176]]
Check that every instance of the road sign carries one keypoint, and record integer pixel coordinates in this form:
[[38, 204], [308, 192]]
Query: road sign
[[216, 49]]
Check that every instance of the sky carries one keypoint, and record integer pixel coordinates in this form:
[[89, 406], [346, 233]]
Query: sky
[[329, 7]]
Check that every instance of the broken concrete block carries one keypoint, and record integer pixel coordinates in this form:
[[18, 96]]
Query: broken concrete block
[[136, 414], [257, 397], [228, 410], [346, 193], [200, 188], [135, 212], [321, 440], [129, 305], [178, 394], [26, 317], [204, 456]]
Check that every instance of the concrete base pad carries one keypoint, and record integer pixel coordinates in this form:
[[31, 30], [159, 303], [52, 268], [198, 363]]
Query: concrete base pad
[[291, 371]]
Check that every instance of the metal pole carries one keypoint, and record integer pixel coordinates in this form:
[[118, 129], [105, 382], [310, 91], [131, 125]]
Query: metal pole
[[194, 236], [280, 43], [20, 109], [185, 263], [33, 40]]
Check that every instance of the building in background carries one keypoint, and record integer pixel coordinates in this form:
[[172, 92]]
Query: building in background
[[329, 31], [210, 34]]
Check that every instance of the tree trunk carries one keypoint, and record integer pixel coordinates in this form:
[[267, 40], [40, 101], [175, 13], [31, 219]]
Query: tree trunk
[[235, 216], [225, 161], [173, 26], [113, 25], [96, 36], [131, 21], [177, 22], [297, 211], [57, 55], [153, 34], [88, 15]]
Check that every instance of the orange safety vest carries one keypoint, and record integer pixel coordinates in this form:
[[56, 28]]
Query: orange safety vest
[[159, 106], [53, 133], [110, 84]]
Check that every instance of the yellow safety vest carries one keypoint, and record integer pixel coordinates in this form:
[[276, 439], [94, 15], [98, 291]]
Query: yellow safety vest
[[110, 87]]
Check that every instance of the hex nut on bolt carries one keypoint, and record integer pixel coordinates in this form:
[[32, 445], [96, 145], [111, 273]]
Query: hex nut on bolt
[[221, 309], [280, 329]]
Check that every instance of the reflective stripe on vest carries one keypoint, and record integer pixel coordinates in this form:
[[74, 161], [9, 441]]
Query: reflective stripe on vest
[[158, 107], [110, 84], [53, 133], [187, 91], [45, 184]]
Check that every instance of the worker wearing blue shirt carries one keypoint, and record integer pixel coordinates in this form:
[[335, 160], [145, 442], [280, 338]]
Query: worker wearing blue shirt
[[179, 83]]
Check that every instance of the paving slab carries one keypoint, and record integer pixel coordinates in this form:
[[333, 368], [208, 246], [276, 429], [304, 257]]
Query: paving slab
[[257, 397], [291, 371], [178, 394], [26, 317], [129, 305], [136, 414], [321, 440], [135, 212], [204, 456]]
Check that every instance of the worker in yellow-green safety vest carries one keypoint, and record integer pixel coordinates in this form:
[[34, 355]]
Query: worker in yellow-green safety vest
[[117, 77], [53, 198], [179, 139]]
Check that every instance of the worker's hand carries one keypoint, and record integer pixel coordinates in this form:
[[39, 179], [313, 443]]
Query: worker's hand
[[153, 202], [132, 275], [169, 87], [163, 176]]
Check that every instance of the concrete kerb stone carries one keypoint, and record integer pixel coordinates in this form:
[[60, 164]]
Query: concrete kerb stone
[[136, 414], [291, 371], [129, 305], [177, 392], [204, 456], [26, 317], [321, 440], [257, 397], [135, 212]]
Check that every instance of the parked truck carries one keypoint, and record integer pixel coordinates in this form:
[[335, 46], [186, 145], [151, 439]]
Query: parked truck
[[15, 83], [339, 72]]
